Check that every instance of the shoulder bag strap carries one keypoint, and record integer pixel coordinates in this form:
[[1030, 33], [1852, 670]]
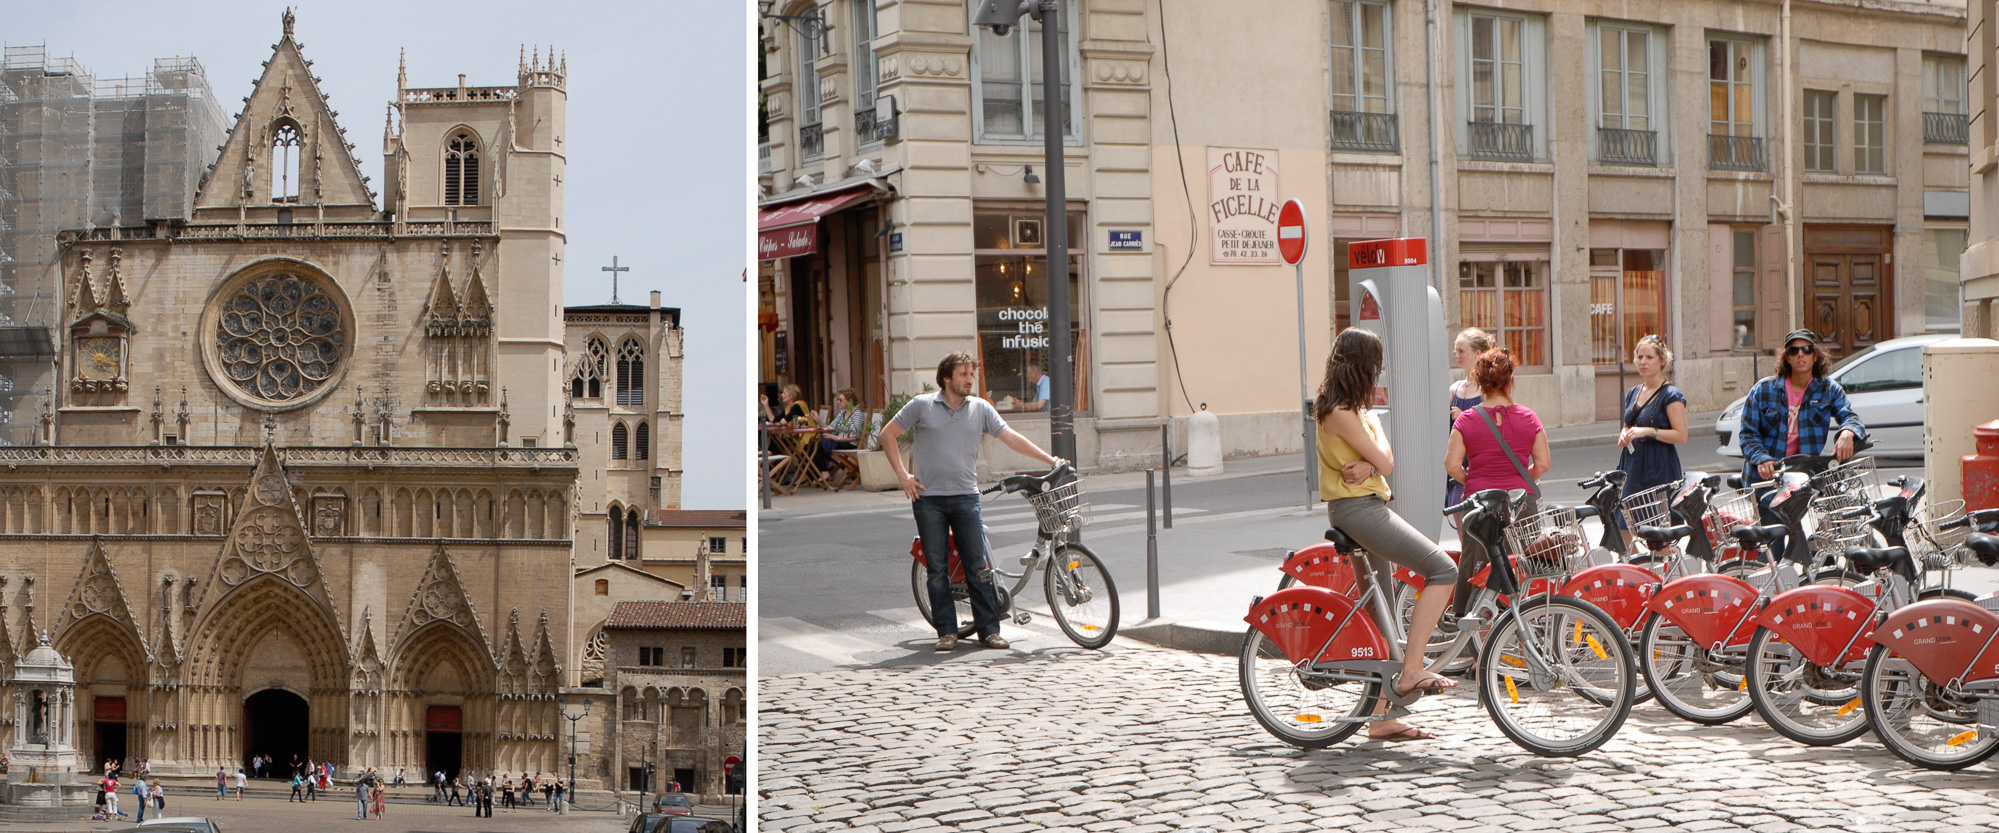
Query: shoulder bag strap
[[1510, 456]]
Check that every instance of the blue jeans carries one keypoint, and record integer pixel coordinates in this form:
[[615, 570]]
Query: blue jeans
[[957, 515], [142, 807], [361, 806]]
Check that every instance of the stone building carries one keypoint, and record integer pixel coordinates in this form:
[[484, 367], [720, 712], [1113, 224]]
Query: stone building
[[700, 549], [304, 486], [677, 671], [1715, 172]]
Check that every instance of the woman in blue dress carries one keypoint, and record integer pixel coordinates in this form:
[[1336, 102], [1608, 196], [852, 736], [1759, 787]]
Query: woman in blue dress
[[1465, 393], [1655, 420]]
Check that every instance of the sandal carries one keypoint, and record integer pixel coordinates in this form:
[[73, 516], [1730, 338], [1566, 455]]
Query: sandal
[[1407, 734], [1433, 684]]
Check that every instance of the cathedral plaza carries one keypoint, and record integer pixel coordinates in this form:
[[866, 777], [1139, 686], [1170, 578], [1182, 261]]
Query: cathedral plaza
[[321, 468]]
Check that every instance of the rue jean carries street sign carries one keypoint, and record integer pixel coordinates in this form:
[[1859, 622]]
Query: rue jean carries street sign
[[1131, 240], [1291, 232], [1242, 207]]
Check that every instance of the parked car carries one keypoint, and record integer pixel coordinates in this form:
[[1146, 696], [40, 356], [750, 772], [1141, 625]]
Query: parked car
[[1884, 383], [673, 804], [645, 822], [182, 824], [691, 824]]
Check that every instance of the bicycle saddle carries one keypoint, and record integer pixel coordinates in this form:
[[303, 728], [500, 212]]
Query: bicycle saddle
[[1659, 537], [1984, 545], [1869, 559], [1341, 543], [1757, 536]]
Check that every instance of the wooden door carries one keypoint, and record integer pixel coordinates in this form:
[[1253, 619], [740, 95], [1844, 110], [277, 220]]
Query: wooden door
[[1847, 302]]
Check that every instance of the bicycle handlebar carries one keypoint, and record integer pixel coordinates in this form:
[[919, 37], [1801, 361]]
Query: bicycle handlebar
[[1853, 512], [1467, 504]]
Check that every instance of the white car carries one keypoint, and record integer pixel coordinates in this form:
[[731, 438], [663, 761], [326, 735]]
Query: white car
[[1884, 383]]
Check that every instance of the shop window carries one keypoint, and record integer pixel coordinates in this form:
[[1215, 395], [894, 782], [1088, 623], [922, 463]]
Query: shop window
[[461, 169], [1011, 276], [1510, 300], [1942, 310], [1627, 301], [1006, 86], [1870, 134], [1820, 106], [1744, 295], [631, 373]]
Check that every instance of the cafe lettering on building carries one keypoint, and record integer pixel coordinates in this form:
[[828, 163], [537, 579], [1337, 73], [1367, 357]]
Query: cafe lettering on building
[[1242, 206]]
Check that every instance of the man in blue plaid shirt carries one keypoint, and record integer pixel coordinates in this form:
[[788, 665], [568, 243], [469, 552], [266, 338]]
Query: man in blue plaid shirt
[[1793, 411]]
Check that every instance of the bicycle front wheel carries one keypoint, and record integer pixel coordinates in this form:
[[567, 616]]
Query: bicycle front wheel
[[1918, 719], [1081, 595], [1301, 708], [1556, 676], [1811, 704], [1690, 681]]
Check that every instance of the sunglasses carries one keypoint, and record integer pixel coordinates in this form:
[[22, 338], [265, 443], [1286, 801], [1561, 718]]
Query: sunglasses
[[1801, 350]]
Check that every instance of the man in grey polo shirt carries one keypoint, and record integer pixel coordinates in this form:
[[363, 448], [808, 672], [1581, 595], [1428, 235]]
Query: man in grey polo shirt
[[945, 491]]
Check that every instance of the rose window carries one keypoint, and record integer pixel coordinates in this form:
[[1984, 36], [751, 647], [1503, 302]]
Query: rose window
[[280, 337]]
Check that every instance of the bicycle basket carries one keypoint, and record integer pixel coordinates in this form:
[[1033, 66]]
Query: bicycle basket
[[1648, 508], [1932, 546], [1853, 479], [1061, 508], [1549, 544], [1730, 513]]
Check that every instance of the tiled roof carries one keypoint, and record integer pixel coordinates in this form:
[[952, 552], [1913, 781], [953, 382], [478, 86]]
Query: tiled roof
[[707, 518], [677, 616]]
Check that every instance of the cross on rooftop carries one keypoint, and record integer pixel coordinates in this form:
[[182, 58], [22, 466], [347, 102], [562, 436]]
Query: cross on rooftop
[[614, 269]]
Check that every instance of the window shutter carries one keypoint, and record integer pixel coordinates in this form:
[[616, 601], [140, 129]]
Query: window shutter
[[1772, 288], [1721, 287]]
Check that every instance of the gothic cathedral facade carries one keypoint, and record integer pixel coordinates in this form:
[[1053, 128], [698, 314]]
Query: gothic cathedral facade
[[307, 486]]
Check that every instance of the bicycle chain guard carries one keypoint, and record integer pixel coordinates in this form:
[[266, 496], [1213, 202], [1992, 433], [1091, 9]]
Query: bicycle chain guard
[[1301, 620]]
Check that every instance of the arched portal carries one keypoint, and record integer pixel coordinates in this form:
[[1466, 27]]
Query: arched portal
[[265, 633], [440, 689], [275, 723]]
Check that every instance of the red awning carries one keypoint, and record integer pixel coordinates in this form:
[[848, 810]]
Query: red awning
[[791, 229]]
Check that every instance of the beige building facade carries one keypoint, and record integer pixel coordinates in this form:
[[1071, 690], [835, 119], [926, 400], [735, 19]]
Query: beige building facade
[[679, 671], [1711, 172]]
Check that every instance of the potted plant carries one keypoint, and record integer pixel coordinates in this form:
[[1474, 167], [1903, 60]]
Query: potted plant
[[876, 474]]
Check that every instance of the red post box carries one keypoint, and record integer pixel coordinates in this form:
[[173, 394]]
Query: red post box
[[1981, 470]]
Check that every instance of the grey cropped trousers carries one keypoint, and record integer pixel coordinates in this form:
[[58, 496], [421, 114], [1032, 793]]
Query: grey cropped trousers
[[1377, 529]]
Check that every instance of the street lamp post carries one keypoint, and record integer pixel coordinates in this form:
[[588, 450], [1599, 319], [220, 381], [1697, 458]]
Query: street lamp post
[[1001, 16], [563, 704]]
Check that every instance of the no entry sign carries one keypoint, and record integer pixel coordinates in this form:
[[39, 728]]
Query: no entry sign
[[1291, 232]]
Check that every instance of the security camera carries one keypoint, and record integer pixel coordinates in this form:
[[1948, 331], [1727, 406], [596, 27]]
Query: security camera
[[1000, 15]]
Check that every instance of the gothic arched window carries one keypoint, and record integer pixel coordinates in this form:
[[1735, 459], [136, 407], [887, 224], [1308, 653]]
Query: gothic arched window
[[631, 373], [632, 535], [643, 444], [287, 145], [617, 548], [618, 441], [588, 383], [461, 169]]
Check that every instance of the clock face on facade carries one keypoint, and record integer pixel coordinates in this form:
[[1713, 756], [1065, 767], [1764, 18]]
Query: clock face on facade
[[98, 359]]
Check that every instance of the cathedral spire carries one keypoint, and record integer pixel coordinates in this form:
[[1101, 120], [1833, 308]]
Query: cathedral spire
[[84, 302], [402, 71], [114, 286]]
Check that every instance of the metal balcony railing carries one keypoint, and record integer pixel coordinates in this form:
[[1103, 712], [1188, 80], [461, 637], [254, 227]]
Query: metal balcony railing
[[812, 141], [763, 157], [1500, 141], [1617, 146], [1365, 131], [1735, 153], [1947, 128], [864, 125]]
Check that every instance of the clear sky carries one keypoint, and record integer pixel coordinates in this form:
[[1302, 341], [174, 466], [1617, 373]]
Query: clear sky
[[657, 140]]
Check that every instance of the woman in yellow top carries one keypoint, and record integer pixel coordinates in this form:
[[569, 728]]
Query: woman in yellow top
[[1354, 459]]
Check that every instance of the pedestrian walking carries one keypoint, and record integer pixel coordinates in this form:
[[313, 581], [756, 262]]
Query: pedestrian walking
[[547, 788], [312, 788], [240, 783], [381, 798], [257, 765], [298, 789], [507, 793], [1792, 411], [1497, 444], [111, 797], [221, 783], [455, 800], [1465, 393], [140, 790], [560, 788], [362, 786], [949, 426], [160, 797], [486, 796], [1654, 422], [1354, 461], [527, 790]]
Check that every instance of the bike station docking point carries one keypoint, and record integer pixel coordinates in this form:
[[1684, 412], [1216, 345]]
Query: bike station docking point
[[1390, 294]]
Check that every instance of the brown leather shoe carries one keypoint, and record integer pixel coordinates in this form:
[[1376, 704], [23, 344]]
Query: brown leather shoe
[[947, 642], [994, 641]]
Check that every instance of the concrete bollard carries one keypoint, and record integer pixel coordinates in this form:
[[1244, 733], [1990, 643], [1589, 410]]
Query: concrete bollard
[[1204, 445]]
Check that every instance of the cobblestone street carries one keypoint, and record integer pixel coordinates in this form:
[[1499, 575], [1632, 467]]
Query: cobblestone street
[[1140, 739]]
